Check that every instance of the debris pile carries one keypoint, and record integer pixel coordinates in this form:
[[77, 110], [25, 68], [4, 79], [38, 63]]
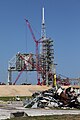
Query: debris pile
[[54, 97]]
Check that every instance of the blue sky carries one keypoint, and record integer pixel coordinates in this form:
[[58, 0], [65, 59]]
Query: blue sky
[[62, 18]]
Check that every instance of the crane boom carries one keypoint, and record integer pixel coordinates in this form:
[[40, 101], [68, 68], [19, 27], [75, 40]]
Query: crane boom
[[36, 41], [31, 31]]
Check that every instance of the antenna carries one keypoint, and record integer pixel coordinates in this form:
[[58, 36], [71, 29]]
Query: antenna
[[43, 31]]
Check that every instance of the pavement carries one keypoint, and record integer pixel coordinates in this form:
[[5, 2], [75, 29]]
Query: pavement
[[17, 106]]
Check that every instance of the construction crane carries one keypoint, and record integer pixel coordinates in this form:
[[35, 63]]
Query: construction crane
[[37, 42], [46, 58]]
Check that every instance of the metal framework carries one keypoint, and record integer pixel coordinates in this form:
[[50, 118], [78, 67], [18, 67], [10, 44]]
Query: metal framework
[[46, 55], [47, 61], [20, 62]]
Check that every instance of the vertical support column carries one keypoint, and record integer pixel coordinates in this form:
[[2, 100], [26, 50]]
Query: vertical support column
[[9, 77], [54, 76], [54, 80], [47, 82]]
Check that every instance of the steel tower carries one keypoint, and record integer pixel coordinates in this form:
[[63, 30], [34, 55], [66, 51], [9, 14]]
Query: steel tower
[[46, 55]]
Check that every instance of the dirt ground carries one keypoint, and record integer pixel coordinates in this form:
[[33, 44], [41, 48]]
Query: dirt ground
[[20, 90]]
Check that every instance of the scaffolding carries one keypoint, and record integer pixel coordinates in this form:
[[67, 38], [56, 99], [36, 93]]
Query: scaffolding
[[46, 61], [20, 62]]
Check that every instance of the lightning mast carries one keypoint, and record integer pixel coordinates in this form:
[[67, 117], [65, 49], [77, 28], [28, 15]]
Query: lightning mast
[[43, 31]]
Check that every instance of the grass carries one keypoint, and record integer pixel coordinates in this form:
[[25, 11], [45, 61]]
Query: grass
[[55, 117], [11, 98]]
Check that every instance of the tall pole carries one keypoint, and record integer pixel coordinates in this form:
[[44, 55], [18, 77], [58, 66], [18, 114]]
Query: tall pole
[[9, 77], [43, 32], [43, 15]]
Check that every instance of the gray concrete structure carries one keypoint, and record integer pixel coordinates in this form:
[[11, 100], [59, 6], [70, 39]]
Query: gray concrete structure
[[14, 107]]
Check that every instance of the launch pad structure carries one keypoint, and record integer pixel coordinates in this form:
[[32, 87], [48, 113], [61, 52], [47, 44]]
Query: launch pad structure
[[42, 63]]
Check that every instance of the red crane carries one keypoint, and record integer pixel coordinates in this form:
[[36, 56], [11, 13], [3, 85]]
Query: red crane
[[37, 62], [37, 42]]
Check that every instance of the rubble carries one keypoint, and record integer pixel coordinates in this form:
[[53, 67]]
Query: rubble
[[56, 97]]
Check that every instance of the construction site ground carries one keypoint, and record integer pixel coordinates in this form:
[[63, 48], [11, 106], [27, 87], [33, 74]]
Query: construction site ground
[[20, 90], [9, 107]]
